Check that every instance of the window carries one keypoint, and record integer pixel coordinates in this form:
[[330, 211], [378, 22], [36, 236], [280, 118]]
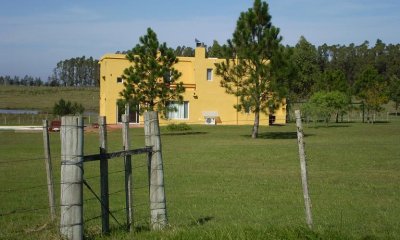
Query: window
[[119, 79], [181, 110], [133, 112], [209, 74]]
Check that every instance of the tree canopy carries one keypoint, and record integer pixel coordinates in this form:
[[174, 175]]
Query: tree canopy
[[322, 105], [151, 82], [371, 89], [77, 72]]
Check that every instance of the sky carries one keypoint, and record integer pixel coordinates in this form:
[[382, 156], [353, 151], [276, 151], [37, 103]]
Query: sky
[[35, 35]]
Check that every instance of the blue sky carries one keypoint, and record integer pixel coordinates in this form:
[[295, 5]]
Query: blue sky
[[35, 35]]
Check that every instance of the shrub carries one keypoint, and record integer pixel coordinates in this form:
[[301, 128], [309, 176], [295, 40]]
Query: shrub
[[178, 127], [62, 108], [322, 105]]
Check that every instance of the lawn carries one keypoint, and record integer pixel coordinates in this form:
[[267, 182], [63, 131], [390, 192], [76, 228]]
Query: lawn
[[221, 184]]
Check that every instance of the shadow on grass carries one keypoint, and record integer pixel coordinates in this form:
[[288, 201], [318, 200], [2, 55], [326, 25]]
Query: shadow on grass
[[278, 135], [183, 133], [95, 234], [380, 122], [201, 221], [328, 126], [142, 228]]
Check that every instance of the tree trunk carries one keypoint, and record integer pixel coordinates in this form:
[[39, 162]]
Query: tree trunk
[[254, 134]]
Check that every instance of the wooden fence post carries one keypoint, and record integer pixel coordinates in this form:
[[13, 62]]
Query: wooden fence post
[[128, 172], [105, 216], [49, 169], [303, 167], [71, 222], [158, 206]]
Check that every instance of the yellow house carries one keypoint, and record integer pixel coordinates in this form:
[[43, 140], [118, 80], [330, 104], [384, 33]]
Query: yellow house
[[205, 101]]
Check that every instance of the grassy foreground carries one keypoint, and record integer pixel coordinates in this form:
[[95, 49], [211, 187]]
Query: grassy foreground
[[220, 184]]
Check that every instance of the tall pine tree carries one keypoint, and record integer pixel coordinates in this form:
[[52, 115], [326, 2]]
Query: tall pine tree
[[152, 81], [253, 72]]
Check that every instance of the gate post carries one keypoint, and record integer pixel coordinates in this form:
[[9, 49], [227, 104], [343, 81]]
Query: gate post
[[158, 206], [71, 223]]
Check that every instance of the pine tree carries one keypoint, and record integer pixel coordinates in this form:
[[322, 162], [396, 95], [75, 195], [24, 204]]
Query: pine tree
[[152, 81], [253, 72]]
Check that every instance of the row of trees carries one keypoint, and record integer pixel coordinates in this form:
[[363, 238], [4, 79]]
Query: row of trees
[[17, 81], [77, 72], [369, 73], [364, 73], [215, 50]]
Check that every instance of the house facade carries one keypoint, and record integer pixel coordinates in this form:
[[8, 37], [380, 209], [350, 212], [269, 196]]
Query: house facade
[[205, 101]]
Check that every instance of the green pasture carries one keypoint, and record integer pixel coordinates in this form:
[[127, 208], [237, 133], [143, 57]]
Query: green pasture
[[43, 98], [221, 184]]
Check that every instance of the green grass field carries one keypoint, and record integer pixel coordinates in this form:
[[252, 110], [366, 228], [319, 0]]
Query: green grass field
[[221, 184], [44, 98]]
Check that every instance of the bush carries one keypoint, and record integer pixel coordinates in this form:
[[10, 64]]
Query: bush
[[178, 127], [322, 105], [62, 108]]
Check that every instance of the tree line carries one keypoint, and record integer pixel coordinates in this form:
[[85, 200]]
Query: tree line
[[366, 73], [76, 72], [339, 74], [73, 72], [17, 81]]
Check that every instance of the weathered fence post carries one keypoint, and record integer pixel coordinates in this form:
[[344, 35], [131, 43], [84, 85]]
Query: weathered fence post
[[49, 169], [105, 216], [303, 167], [71, 222], [158, 206], [128, 172]]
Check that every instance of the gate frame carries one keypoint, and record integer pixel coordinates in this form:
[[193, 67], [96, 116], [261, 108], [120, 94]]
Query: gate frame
[[72, 159]]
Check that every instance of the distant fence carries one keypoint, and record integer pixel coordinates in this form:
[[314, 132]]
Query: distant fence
[[355, 113], [36, 119]]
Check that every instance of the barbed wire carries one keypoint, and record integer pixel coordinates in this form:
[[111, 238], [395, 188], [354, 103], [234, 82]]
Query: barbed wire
[[26, 188], [101, 202], [92, 218], [25, 210], [22, 160], [140, 166]]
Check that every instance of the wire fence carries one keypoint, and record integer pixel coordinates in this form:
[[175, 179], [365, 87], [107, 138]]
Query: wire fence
[[25, 198], [8, 119]]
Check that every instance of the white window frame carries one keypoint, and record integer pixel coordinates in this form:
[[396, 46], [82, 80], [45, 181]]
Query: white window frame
[[180, 113]]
